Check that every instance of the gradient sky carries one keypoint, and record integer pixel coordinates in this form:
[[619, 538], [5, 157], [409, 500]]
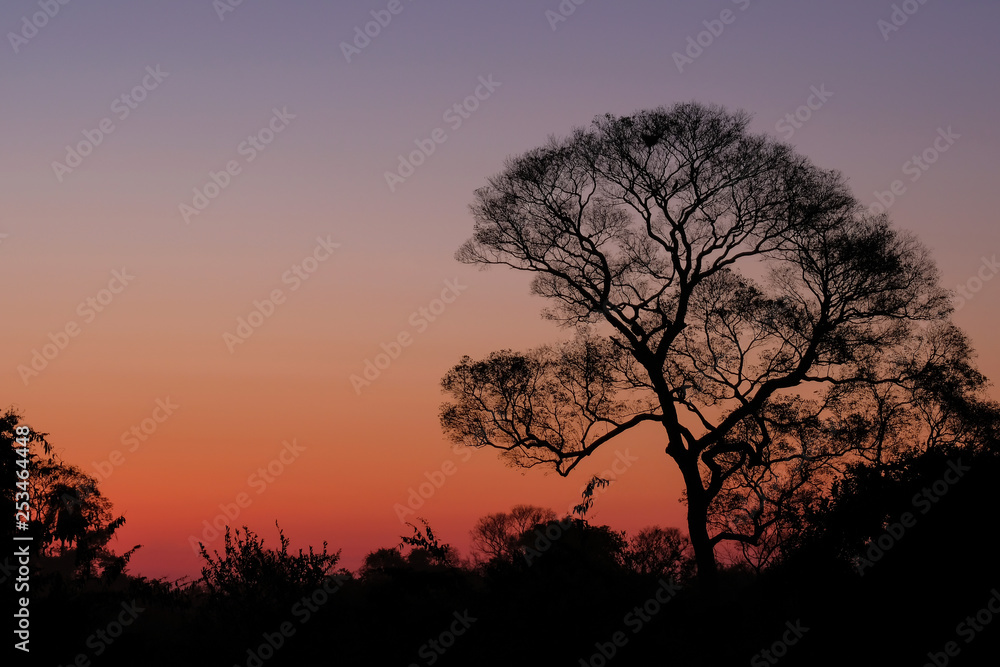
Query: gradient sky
[[323, 176]]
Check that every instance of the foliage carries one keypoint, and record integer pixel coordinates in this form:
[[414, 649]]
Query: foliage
[[70, 515], [660, 552], [426, 550], [246, 569], [495, 536]]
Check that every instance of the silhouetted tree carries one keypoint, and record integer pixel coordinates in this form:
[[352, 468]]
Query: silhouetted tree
[[70, 517], [906, 541], [571, 546], [710, 274], [426, 550], [659, 551], [495, 536], [383, 561], [246, 570], [13, 433], [928, 396]]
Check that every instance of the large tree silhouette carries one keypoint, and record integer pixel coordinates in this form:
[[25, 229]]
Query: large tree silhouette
[[719, 285]]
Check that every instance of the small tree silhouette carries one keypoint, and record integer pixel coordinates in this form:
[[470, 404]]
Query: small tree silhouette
[[70, 516], [426, 549], [660, 551], [495, 536], [381, 562]]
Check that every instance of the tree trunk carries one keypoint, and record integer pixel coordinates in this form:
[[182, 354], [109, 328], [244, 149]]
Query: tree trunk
[[697, 518]]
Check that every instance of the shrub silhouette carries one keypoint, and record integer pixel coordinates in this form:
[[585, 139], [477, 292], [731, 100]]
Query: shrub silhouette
[[249, 571], [660, 551]]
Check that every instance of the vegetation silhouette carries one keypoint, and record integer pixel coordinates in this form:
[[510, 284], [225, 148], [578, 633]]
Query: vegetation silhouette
[[71, 523], [544, 590]]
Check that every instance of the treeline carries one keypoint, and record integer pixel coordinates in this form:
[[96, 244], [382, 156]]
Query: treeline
[[895, 566]]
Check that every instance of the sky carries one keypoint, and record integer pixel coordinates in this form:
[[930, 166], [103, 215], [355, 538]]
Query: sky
[[170, 168]]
